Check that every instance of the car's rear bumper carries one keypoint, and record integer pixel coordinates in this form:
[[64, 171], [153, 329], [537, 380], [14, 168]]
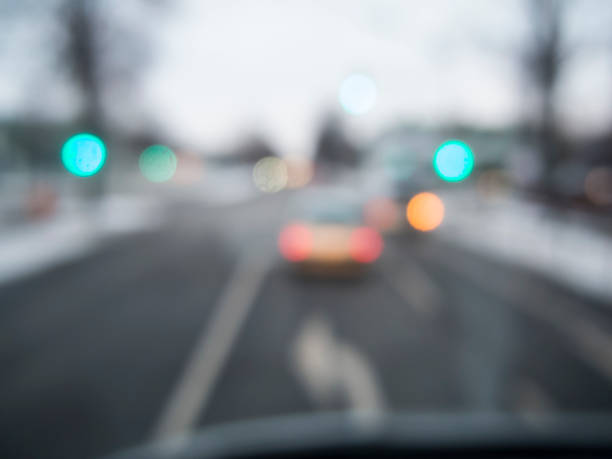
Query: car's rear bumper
[[321, 268]]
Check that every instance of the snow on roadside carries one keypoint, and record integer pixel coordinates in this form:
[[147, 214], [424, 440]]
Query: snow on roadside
[[71, 233], [563, 248]]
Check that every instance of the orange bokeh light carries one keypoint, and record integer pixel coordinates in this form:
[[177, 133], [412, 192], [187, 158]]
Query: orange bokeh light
[[425, 211], [299, 172], [598, 186], [382, 214], [189, 169]]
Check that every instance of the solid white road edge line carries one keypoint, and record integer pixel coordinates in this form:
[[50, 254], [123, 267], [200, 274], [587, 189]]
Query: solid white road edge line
[[190, 396]]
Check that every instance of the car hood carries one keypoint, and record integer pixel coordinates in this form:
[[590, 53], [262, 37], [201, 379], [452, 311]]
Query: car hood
[[333, 433]]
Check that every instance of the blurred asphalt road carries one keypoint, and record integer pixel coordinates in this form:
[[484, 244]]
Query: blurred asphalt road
[[199, 322]]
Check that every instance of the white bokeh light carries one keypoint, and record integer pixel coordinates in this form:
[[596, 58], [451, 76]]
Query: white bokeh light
[[270, 174], [357, 94]]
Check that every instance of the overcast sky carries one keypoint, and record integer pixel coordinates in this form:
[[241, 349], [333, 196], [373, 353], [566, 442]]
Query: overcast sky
[[224, 68]]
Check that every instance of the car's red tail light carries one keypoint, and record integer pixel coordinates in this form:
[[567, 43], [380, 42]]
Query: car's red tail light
[[295, 242], [365, 245]]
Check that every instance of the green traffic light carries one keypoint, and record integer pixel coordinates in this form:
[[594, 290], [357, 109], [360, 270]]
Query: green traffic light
[[157, 163], [453, 161], [83, 154]]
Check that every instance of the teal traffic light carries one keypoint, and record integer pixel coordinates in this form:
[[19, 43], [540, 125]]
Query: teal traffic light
[[83, 154], [453, 161], [157, 163]]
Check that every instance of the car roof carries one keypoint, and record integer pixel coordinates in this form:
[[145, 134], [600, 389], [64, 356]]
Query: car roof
[[327, 204]]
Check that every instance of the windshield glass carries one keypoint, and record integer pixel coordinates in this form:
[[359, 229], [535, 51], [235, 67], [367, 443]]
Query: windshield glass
[[167, 170], [326, 205], [333, 214]]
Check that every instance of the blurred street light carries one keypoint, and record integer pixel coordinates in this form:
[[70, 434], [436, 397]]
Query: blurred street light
[[357, 94]]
